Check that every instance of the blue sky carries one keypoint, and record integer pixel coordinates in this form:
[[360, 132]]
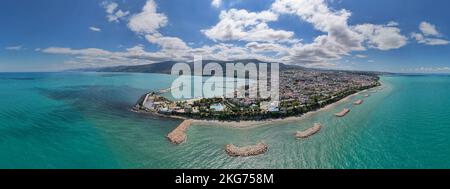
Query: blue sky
[[384, 35]]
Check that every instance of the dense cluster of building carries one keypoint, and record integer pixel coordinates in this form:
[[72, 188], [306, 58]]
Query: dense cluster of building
[[301, 91], [307, 86]]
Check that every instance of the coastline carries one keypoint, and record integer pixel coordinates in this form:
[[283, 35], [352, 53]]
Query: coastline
[[258, 123], [252, 124]]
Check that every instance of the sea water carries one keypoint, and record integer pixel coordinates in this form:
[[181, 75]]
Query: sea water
[[83, 120]]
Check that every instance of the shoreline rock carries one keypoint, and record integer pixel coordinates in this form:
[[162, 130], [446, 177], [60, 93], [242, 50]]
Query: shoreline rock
[[343, 113], [309, 132], [359, 102], [178, 135], [246, 151]]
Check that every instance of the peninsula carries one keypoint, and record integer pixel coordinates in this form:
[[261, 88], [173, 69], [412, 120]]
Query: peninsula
[[301, 91]]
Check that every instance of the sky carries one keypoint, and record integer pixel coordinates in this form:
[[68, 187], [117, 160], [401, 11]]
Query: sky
[[376, 35]]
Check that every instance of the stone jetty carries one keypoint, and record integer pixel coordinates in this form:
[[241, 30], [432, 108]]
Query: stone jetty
[[358, 102], [309, 132], [343, 113], [246, 151], [178, 135]]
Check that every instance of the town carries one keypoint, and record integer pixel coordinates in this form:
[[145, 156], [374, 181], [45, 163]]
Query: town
[[301, 91]]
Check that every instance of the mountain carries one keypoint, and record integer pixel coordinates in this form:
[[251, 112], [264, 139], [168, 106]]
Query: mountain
[[166, 67]]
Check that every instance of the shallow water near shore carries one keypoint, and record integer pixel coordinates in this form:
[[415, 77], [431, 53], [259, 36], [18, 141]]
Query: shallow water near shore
[[82, 120]]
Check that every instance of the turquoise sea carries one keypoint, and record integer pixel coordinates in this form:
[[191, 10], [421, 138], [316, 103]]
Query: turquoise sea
[[82, 120]]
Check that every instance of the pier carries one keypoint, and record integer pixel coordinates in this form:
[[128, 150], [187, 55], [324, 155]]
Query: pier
[[309, 132], [246, 151], [162, 91], [168, 90], [178, 135]]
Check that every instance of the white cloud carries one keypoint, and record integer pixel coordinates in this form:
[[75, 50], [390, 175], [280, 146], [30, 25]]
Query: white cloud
[[382, 37], [430, 69], [100, 57], [69, 51], [429, 35], [223, 51], [267, 47], [14, 48], [341, 38], [327, 65], [338, 38], [322, 50], [324, 19], [420, 38], [138, 55], [147, 23], [361, 56], [113, 13], [392, 23], [111, 7], [338, 41], [149, 20], [216, 3], [433, 41], [313, 11], [167, 43], [242, 25], [95, 29], [428, 29]]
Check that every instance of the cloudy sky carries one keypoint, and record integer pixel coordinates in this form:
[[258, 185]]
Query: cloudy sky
[[383, 35]]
